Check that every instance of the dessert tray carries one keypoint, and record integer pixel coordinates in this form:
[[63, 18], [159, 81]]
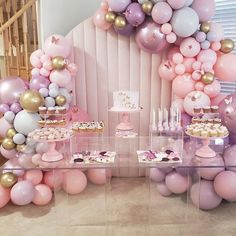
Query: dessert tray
[[94, 126]]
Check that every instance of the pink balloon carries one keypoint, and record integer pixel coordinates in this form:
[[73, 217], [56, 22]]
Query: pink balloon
[[216, 46], [197, 65], [171, 38], [161, 12], [178, 104], [150, 38], [204, 8], [195, 99], [57, 45], [76, 114], [225, 185], [208, 56], [177, 4], [199, 86], [8, 154], [180, 69], [190, 47], [196, 75], [25, 160], [35, 72], [166, 28], [34, 176], [156, 175], [218, 29], [47, 65], [188, 62], [74, 182], [166, 71], [178, 183], [38, 53], [218, 99], [104, 5], [4, 127], [204, 196], [178, 58], [44, 58], [43, 195], [225, 68], [207, 67], [22, 193], [4, 196], [178, 88], [98, 176], [73, 69], [35, 61], [163, 190], [172, 52], [99, 20], [61, 78], [36, 83], [213, 90], [54, 179], [44, 72]]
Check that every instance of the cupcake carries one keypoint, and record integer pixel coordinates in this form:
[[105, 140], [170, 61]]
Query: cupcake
[[195, 120], [207, 109], [197, 110], [215, 109], [204, 133], [217, 121], [61, 110], [42, 110], [51, 111]]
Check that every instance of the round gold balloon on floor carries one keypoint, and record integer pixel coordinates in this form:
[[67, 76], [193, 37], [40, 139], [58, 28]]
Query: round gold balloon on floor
[[8, 179]]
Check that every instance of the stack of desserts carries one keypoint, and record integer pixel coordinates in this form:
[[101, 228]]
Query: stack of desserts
[[51, 111], [43, 123], [206, 110], [94, 126]]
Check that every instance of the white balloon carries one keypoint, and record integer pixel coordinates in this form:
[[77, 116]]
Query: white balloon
[[9, 116], [44, 92], [50, 102], [53, 86], [25, 122], [19, 139], [53, 92], [188, 2]]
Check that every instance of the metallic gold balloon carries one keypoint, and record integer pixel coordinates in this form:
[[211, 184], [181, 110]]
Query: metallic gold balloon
[[120, 22], [205, 27], [11, 133], [31, 101], [147, 7], [208, 78], [227, 45], [58, 63], [8, 144], [110, 17], [20, 147], [8, 179], [60, 100]]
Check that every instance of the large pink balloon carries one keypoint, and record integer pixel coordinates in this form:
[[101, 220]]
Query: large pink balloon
[[54, 179], [213, 90], [34, 176], [57, 45], [204, 196], [225, 185], [161, 12], [10, 89], [225, 67], [204, 8], [167, 70], [9, 154], [38, 82], [189, 47], [208, 56], [178, 88], [218, 30], [74, 182], [98, 176], [218, 99], [99, 20], [150, 38], [43, 195], [4, 196], [61, 78], [4, 126]]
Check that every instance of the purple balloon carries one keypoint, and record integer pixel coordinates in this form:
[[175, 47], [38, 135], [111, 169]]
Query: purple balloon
[[4, 108], [134, 14], [229, 158], [150, 38], [232, 139], [16, 107], [119, 6], [38, 82], [128, 30], [10, 90], [156, 175], [163, 190]]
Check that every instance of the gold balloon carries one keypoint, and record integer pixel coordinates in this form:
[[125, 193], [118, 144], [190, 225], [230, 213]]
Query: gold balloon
[[110, 17], [205, 27], [227, 45], [20, 147], [8, 179], [60, 100], [208, 78], [147, 7], [31, 101], [58, 63], [11, 133], [120, 22], [8, 144]]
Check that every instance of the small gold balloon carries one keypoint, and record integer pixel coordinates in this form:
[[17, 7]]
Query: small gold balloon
[[120, 22], [20, 147], [147, 7], [58, 63], [208, 78], [110, 17], [8, 144], [31, 101], [205, 27], [227, 45], [60, 100], [11, 133], [8, 179]]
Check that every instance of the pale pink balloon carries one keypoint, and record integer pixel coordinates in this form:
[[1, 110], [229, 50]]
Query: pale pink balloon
[[25, 160], [161, 12], [98, 176], [188, 62], [176, 4], [73, 68], [99, 20], [36, 159], [4, 127], [18, 171], [208, 56], [156, 175], [218, 99], [218, 29], [38, 53], [225, 68], [171, 38], [74, 182], [34, 176], [45, 58], [166, 28], [197, 65], [207, 66], [4, 196], [178, 88], [216, 46], [178, 104], [163, 190], [44, 72], [166, 70], [171, 52], [43, 195], [35, 72], [35, 61], [190, 47], [199, 86], [8, 154], [47, 65], [104, 5], [213, 90], [178, 58], [180, 69], [54, 179], [195, 99], [61, 78]]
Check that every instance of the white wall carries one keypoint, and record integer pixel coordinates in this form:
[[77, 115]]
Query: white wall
[[60, 16]]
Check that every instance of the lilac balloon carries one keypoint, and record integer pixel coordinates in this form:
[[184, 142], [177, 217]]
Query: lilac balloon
[[22, 193], [16, 107], [203, 195], [232, 139], [38, 82], [119, 6], [128, 30], [134, 14], [10, 90], [163, 190], [150, 38], [4, 108], [200, 37], [229, 158], [205, 45], [156, 175]]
